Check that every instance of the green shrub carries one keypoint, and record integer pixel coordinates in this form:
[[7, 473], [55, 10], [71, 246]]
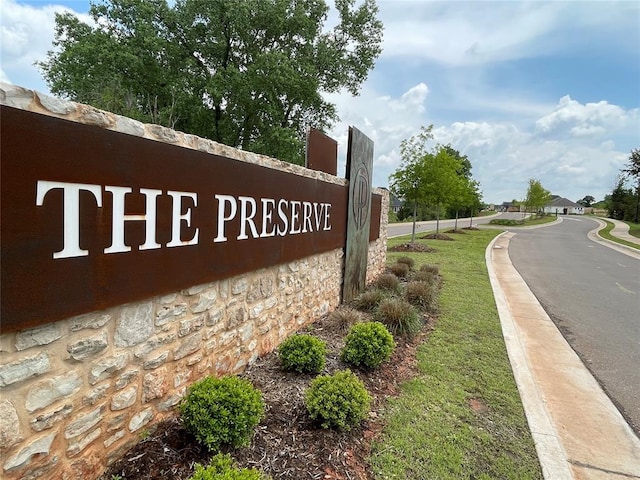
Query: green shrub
[[338, 401], [400, 270], [368, 345], [400, 317], [406, 260], [368, 301], [388, 281], [221, 467], [222, 411], [423, 295], [345, 318], [303, 354]]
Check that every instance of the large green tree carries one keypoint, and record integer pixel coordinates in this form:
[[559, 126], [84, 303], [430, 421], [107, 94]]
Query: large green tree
[[442, 182], [537, 196], [407, 182], [632, 171], [246, 73]]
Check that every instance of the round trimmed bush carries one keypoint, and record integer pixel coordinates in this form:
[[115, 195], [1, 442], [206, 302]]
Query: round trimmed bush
[[221, 467], [368, 345], [222, 411], [338, 401], [400, 317], [303, 354]]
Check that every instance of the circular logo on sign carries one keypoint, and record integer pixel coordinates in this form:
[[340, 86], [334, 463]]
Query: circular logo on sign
[[361, 197]]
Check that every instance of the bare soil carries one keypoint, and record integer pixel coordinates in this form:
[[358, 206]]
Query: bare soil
[[287, 444]]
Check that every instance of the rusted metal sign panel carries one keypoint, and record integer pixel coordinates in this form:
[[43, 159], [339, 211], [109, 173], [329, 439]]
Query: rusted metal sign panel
[[359, 171], [93, 218], [322, 152]]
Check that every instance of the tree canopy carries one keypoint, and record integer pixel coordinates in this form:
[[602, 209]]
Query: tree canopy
[[440, 177], [246, 73], [537, 196]]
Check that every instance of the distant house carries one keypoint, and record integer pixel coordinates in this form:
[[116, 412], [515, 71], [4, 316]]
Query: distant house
[[508, 207], [395, 204], [563, 206]]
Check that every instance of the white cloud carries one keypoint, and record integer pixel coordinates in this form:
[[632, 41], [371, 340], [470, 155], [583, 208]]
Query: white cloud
[[26, 34], [480, 33], [503, 155], [589, 120]]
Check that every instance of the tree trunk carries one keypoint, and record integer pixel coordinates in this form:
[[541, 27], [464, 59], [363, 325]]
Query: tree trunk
[[437, 219], [471, 219], [413, 230], [455, 228]]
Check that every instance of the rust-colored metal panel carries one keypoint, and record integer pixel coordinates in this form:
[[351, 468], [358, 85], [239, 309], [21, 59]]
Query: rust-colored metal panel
[[359, 170], [57, 174], [322, 152], [376, 210]]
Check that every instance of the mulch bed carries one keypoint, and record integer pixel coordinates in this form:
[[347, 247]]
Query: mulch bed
[[287, 444], [412, 247], [437, 236]]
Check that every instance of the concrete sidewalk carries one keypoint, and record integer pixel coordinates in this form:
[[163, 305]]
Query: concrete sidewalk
[[621, 231], [578, 432]]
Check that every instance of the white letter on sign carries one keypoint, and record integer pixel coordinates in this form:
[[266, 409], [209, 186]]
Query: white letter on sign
[[177, 217], [71, 209], [117, 229], [233, 207]]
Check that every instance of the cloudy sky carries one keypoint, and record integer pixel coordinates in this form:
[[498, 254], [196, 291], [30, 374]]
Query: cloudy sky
[[545, 90]]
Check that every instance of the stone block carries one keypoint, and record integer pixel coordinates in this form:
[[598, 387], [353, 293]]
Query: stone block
[[88, 347], [107, 366], [48, 420], [10, 431], [141, 419], [35, 446], [154, 384], [91, 320], [124, 399], [156, 362], [43, 335], [205, 301], [95, 395], [125, 379], [83, 423], [24, 368], [191, 325], [134, 324], [48, 391], [188, 346], [78, 445]]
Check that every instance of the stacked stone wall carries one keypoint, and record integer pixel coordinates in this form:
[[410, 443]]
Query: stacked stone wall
[[76, 393]]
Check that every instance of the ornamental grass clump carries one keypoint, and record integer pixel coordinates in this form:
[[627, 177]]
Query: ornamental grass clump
[[222, 411], [400, 270], [345, 318], [221, 467], [423, 295], [406, 260], [367, 345], [388, 282], [400, 317], [302, 354], [368, 301], [338, 401]]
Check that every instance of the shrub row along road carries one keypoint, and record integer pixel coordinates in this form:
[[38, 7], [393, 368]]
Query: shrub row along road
[[397, 229], [592, 293]]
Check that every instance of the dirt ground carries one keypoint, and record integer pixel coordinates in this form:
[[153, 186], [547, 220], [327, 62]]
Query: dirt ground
[[287, 444]]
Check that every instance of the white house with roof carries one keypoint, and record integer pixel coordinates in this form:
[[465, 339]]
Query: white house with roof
[[563, 206]]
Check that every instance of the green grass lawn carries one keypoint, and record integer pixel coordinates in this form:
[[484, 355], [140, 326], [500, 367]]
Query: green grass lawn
[[606, 233], [461, 417], [634, 229]]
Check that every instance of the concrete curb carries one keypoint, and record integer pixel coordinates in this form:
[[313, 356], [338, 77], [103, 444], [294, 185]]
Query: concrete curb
[[594, 236], [551, 455]]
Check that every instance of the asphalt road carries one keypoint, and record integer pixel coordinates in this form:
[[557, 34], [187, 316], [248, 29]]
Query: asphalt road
[[397, 229], [592, 293]]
